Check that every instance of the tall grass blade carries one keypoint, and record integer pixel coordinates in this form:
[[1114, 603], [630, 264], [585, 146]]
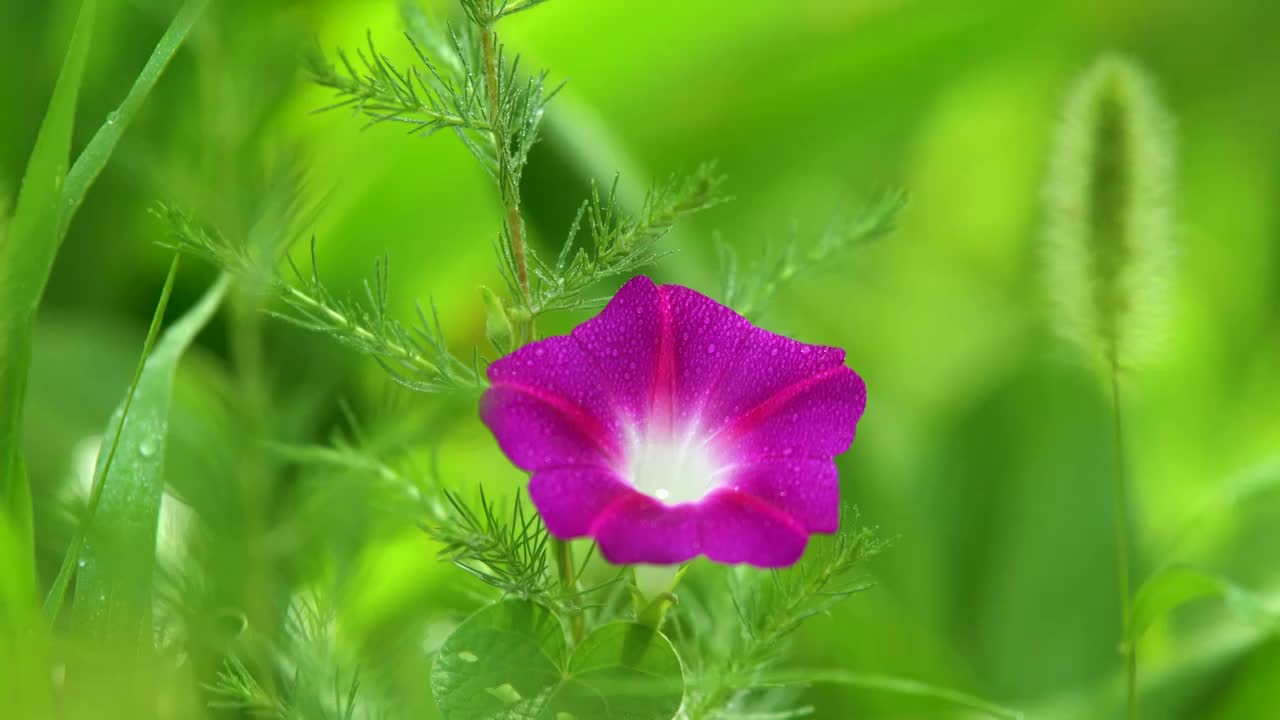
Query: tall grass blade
[[94, 158], [892, 684], [26, 255], [114, 580]]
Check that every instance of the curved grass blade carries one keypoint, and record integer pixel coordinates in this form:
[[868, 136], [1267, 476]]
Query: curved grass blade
[[891, 684], [1171, 588], [111, 445], [26, 254], [53, 601], [94, 158], [114, 579]]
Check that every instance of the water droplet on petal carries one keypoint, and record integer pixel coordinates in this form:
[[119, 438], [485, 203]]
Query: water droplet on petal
[[711, 349]]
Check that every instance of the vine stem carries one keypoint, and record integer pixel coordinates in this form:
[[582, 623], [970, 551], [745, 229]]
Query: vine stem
[[1128, 644], [563, 552], [515, 226]]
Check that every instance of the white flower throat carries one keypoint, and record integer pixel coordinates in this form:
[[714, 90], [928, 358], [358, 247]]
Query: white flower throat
[[672, 467]]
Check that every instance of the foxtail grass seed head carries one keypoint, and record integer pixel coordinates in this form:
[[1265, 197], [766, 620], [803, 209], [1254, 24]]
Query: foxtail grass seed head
[[1108, 197]]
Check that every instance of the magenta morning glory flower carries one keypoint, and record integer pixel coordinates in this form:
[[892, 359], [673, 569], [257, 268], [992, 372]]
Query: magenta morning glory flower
[[669, 426]]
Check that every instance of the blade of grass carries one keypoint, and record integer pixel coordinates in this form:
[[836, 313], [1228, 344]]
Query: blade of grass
[[53, 601], [17, 520], [113, 586], [47, 201], [1172, 587], [24, 680], [891, 684], [94, 158], [26, 254]]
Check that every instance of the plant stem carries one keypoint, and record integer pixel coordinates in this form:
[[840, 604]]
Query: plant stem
[[569, 583], [510, 195], [1123, 550]]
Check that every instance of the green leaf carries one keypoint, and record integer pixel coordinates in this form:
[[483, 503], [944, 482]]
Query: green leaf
[[622, 670], [53, 601], [113, 588], [510, 661], [27, 253], [1171, 588]]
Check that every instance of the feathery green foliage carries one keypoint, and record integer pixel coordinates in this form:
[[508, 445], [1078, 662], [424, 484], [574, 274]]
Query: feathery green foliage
[[317, 679], [749, 289], [416, 356], [619, 244], [470, 88], [506, 550], [769, 606]]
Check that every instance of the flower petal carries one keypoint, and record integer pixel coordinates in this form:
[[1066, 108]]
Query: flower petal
[[815, 418], [766, 365], [727, 526], [737, 528], [808, 490], [570, 499], [559, 366], [558, 371], [640, 529], [538, 430], [622, 342], [703, 338]]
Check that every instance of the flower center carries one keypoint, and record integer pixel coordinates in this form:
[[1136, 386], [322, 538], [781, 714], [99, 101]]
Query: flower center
[[672, 469]]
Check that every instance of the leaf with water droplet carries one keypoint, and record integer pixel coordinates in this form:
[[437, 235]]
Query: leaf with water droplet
[[510, 660], [113, 587]]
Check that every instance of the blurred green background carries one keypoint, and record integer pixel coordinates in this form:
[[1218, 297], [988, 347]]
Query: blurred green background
[[984, 453]]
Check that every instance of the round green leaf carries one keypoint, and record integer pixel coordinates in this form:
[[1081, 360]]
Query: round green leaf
[[503, 662], [630, 668], [510, 661]]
